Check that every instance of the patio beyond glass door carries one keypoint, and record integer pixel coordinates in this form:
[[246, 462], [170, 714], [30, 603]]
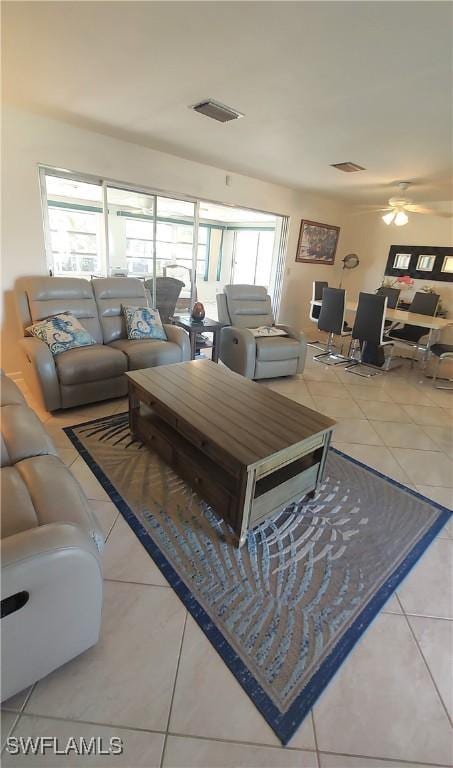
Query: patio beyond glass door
[[252, 257], [151, 236], [175, 237]]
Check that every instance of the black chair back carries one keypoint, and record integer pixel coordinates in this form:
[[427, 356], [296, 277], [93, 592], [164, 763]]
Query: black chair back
[[424, 303], [318, 287], [369, 318], [331, 317], [392, 295]]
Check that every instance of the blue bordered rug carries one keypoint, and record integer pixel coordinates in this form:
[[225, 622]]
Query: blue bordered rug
[[284, 611]]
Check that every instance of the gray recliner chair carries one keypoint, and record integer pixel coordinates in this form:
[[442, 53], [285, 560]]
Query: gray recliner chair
[[51, 579], [245, 307]]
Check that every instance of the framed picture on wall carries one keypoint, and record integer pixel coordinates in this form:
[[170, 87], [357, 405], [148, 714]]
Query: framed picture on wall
[[317, 242]]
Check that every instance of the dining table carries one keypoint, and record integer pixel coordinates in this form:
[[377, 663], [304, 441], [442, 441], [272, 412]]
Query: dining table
[[433, 324]]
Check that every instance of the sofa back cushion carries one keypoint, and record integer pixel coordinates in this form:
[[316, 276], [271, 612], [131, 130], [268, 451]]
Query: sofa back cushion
[[110, 294], [41, 297], [249, 306]]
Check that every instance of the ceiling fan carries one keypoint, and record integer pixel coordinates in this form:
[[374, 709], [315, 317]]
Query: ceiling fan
[[399, 207]]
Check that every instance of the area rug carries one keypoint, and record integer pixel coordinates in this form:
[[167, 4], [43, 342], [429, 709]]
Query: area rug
[[284, 611]]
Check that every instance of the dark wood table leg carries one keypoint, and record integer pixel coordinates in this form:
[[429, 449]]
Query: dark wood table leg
[[134, 409], [193, 343], [215, 345]]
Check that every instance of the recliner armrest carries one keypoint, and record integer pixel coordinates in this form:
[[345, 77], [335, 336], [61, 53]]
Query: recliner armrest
[[44, 541], [41, 366], [238, 350], [58, 568], [301, 338], [180, 337]]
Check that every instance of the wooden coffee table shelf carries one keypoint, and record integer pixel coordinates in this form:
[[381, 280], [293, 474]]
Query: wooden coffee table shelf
[[245, 449]]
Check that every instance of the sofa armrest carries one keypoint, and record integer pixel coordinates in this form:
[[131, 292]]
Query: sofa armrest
[[181, 338], [52, 599], [40, 372], [44, 541], [238, 350], [301, 338]]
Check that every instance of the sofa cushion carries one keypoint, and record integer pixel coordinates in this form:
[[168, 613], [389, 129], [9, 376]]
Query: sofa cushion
[[40, 297], [280, 348], [22, 435], [77, 366], [10, 393], [249, 306], [110, 293], [18, 512], [146, 353]]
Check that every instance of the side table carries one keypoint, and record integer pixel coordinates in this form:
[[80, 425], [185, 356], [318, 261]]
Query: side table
[[194, 327]]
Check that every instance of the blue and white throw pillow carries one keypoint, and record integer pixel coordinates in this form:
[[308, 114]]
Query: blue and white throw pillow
[[143, 323], [62, 332]]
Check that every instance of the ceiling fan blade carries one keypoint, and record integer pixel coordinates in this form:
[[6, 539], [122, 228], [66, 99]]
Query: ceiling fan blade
[[364, 210], [429, 211], [418, 209]]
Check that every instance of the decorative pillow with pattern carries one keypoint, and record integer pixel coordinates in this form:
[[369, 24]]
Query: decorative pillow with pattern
[[143, 323], [62, 332]]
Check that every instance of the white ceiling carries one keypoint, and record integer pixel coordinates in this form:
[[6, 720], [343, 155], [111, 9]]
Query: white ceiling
[[319, 83]]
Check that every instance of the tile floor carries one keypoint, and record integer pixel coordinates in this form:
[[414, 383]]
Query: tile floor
[[155, 681]]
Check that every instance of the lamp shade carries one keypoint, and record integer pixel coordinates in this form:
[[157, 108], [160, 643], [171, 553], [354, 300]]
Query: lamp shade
[[401, 219]]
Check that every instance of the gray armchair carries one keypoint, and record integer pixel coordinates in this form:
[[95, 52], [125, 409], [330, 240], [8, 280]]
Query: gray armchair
[[244, 307]]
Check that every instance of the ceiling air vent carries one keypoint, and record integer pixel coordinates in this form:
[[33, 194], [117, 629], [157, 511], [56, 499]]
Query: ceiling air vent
[[348, 167], [217, 111]]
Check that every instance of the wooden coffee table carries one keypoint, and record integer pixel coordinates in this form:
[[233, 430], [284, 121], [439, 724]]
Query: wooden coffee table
[[245, 449]]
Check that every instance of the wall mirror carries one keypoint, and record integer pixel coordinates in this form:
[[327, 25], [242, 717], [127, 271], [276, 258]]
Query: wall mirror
[[447, 266], [402, 261], [425, 263]]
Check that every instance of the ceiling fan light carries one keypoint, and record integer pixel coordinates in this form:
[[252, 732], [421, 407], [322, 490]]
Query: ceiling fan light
[[388, 217], [401, 219]]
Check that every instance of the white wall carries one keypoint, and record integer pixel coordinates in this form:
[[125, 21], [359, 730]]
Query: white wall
[[28, 139], [369, 237]]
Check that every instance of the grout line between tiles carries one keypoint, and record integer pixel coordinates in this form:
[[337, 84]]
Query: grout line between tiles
[[11, 729], [241, 743], [138, 583], [318, 757], [428, 668], [90, 722], [174, 690]]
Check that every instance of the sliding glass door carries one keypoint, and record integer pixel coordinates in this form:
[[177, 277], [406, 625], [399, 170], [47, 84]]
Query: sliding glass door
[[95, 227]]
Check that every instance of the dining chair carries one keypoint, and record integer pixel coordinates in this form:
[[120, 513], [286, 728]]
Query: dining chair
[[331, 320], [315, 309], [410, 335], [392, 295], [368, 337], [442, 352]]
